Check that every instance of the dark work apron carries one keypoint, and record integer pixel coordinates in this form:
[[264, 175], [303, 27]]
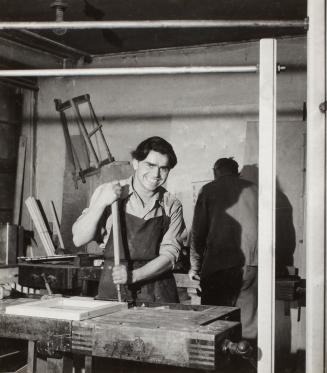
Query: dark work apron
[[141, 243]]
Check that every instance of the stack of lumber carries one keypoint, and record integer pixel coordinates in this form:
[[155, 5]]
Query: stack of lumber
[[40, 225]]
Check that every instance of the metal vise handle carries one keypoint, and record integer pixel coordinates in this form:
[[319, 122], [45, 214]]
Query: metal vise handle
[[242, 349]]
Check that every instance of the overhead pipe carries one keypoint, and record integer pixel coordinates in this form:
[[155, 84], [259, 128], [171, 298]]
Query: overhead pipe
[[155, 24], [130, 71], [66, 48]]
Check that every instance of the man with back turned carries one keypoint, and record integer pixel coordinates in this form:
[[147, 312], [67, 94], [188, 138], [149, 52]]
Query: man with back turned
[[224, 253]]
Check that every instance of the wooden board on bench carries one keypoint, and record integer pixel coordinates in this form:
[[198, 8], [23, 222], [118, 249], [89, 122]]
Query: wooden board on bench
[[73, 308]]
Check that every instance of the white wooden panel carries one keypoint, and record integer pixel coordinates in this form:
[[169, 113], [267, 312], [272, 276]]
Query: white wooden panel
[[316, 190], [74, 308], [267, 202]]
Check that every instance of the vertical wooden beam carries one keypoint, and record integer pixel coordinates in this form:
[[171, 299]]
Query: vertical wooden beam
[[267, 202], [316, 189], [88, 364], [31, 357], [19, 180], [61, 365]]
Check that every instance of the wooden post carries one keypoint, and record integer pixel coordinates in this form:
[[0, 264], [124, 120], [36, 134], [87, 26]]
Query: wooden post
[[31, 357], [62, 365], [56, 224], [88, 364], [267, 203], [316, 190], [116, 238], [19, 180]]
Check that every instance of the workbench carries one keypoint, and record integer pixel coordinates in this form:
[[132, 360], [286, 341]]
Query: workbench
[[186, 336]]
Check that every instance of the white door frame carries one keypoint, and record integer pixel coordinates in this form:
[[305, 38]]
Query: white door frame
[[267, 203], [316, 189]]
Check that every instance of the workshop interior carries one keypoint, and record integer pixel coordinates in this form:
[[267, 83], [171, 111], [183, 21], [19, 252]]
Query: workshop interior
[[82, 83]]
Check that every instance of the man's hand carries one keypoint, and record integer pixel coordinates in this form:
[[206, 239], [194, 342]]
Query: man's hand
[[121, 275], [109, 193], [193, 275]]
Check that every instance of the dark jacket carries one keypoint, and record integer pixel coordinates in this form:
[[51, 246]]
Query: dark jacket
[[224, 231]]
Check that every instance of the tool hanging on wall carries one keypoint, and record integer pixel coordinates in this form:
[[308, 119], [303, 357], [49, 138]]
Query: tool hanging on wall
[[78, 172]]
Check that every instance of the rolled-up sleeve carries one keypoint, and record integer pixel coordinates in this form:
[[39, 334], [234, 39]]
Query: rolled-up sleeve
[[172, 240], [105, 222]]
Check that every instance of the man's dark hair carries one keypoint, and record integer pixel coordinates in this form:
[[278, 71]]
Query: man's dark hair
[[157, 144], [226, 165]]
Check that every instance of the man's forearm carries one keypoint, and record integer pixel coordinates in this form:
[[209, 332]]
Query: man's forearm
[[85, 227], [195, 260], [152, 269]]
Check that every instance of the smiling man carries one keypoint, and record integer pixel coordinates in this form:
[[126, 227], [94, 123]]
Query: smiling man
[[152, 228]]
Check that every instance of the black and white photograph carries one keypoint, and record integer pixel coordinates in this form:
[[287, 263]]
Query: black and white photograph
[[163, 197]]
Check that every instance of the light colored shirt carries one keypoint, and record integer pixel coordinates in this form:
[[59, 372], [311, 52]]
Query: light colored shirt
[[172, 240]]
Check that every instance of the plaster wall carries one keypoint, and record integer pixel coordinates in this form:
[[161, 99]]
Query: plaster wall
[[203, 116]]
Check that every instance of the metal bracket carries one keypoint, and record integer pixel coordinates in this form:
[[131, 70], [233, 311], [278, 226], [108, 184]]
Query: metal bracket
[[306, 23], [280, 68]]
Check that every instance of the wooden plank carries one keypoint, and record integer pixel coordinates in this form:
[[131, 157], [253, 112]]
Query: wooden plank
[[267, 203], [316, 209], [23, 369], [41, 365], [183, 281], [218, 313], [11, 301], [19, 180], [73, 200], [88, 364], [117, 239], [40, 225], [31, 357], [74, 308], [56, 224], [61, 365], [8, 244]]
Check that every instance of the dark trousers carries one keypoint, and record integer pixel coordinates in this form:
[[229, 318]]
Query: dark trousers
[[235, 287]]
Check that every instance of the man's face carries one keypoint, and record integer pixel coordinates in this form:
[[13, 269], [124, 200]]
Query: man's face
[[153, 171]]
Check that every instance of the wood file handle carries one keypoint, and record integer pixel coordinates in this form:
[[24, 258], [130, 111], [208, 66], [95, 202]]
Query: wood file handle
[[116, 238]]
